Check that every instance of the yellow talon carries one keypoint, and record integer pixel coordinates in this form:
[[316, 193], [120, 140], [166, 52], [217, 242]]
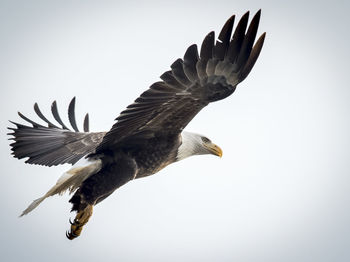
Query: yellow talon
[[80, 220]]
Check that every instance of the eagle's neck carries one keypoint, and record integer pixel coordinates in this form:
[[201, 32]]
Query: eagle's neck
[[191, 145]]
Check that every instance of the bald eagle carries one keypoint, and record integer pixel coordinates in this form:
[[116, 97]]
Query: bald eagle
[[149, 134]]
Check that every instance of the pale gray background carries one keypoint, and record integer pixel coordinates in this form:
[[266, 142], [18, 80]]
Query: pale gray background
[[281, 190]]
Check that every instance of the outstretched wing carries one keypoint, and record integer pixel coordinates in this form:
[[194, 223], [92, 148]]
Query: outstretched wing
[[53, 145], [192, 83]]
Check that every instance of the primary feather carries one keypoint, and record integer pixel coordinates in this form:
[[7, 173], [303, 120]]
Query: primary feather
[[53, 145]]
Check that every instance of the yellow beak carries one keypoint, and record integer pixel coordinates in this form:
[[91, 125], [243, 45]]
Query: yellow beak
[[215, 150]]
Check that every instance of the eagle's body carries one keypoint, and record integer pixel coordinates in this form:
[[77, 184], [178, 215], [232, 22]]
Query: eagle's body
[[149, 134]]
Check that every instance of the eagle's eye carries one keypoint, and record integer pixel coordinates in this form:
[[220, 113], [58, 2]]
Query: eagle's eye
[[205, 140]]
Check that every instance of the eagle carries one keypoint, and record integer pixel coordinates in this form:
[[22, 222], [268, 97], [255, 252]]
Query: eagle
[[149, 134]]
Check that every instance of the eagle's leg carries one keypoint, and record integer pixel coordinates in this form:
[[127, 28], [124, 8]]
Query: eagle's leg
[[80, 220], [116, 172]]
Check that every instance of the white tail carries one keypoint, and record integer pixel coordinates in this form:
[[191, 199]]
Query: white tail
[[70, 180]]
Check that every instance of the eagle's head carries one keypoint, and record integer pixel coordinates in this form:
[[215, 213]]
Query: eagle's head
[[196, 144]]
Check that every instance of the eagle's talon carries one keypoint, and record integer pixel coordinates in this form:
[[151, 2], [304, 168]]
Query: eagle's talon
[[70, 235]]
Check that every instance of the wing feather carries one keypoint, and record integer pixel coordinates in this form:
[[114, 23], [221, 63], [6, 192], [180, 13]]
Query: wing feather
[[71, 115], [224, 39], [237, 39], [86, 123], [190, 60], [52, 145], [193, 82], [207, 46], [211, 66], [29, 121], [248, 41], [38, 112], [171, 81], [253, 57], [56, 115], [179, 74]]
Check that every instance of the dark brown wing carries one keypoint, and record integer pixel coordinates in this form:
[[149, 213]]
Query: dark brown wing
[[53, 145], [192, 83]]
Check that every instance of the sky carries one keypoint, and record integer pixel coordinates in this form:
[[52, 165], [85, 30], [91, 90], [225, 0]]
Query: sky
[[279, 193]]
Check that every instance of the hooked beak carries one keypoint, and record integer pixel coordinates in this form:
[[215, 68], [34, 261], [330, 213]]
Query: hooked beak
[[214, 149]]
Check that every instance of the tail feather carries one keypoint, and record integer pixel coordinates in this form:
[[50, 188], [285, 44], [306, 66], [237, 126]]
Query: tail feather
[[70, 180], [33, 205]]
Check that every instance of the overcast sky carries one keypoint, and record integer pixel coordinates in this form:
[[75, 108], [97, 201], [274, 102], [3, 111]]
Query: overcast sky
[[279, 193]]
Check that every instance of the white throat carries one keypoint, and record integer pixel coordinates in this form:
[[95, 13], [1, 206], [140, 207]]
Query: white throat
[[191, 145]]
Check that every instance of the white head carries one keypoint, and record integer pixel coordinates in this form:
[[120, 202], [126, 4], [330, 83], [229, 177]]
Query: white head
[[195, 144]]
